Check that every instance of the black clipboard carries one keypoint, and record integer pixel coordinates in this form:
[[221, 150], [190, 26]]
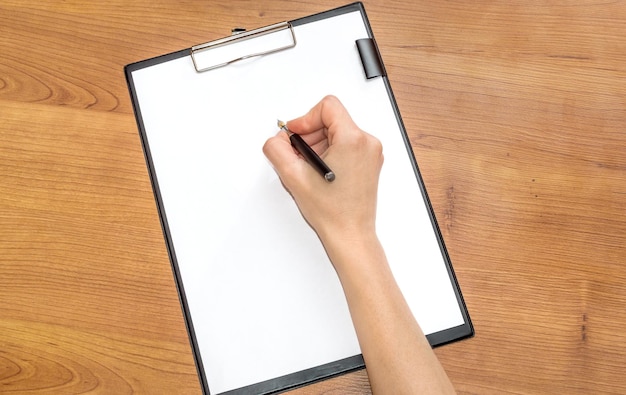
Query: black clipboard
[[232, 286]]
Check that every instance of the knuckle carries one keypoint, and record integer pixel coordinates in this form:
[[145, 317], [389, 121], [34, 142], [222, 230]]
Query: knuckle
[[330, 99]]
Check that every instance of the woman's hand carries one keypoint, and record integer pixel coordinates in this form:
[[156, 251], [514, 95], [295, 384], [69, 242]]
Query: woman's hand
[[346, 207]]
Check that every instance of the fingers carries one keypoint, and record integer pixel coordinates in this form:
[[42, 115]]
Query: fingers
[[328, 112], [327, 122], [290, 167], [279, 152]]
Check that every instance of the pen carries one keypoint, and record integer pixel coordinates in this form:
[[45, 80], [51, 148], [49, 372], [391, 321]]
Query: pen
[[307, 152]]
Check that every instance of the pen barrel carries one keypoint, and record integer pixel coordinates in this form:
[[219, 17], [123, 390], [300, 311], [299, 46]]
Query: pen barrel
[[311, 156]]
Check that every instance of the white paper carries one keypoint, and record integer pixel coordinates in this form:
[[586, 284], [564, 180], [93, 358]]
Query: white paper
[[264, 299]]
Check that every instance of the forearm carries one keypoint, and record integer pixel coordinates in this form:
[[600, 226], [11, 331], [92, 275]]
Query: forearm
[[343, 213], [397, 355]]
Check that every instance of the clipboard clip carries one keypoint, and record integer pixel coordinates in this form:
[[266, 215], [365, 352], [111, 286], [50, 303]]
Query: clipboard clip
[[243, 45]]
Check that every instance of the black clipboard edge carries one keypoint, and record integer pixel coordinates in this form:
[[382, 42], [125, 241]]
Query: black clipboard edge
[[356, 6], [128, 70], [465, 330], [302, 378], [308, 376]]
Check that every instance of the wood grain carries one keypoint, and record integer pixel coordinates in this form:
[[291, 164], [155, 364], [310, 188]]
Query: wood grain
[[517, 115]]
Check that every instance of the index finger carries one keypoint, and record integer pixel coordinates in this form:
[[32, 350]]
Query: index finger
[[279, 152]]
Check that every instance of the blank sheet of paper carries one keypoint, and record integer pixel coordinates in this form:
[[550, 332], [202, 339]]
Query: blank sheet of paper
[[263, 298]]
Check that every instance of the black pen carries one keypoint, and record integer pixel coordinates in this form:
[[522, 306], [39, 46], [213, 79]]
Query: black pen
[[307, 152]]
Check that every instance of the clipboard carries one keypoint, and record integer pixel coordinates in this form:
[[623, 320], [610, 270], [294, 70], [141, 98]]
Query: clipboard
[[263, 317]]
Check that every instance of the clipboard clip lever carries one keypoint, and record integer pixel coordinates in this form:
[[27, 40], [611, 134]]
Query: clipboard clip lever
[[240, 46]]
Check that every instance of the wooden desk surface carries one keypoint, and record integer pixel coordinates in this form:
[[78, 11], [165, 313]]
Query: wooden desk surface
[[517, 114]]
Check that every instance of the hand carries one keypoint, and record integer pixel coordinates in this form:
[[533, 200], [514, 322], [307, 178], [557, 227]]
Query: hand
[[398, 356], [343, 213], [346, 207]]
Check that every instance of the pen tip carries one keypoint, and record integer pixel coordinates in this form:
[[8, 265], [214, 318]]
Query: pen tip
[[280, 123]]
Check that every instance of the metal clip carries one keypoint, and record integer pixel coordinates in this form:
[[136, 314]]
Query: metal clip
[[224, 51]]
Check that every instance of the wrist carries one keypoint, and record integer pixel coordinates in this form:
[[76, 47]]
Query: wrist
[[353, 251]]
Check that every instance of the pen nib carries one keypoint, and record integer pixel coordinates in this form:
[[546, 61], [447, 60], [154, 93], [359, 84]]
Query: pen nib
[[281, 124]]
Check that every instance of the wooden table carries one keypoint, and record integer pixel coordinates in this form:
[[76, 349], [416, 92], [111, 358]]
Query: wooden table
[[517, 114]]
